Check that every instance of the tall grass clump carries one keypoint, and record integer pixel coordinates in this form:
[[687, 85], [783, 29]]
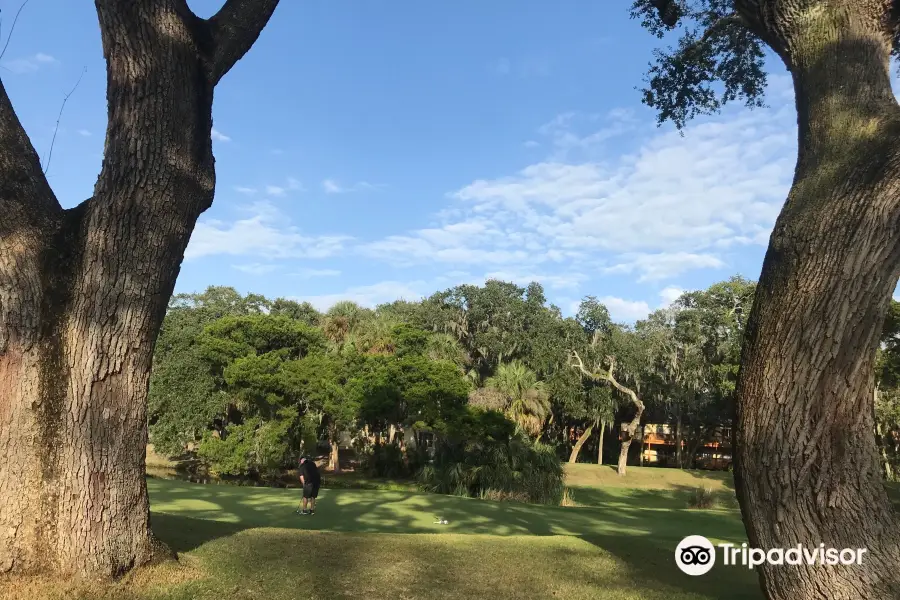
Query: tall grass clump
[[701, 497]]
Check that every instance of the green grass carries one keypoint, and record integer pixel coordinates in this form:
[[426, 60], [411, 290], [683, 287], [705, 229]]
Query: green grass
[[647, 487], [244, 542]]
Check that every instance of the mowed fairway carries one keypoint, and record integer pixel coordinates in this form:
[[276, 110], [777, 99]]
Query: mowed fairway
[[241, 542]]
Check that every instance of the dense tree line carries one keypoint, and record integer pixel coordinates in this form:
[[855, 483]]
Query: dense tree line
[[247, 383]]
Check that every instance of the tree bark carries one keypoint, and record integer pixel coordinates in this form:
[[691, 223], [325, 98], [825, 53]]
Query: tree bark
[[643, 441], [678, 450], [573, 457], [807, 468], [600, 445], [83, 292], [335, 459]]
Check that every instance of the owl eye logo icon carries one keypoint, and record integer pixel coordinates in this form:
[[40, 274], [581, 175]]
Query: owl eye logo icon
[[695, 555]]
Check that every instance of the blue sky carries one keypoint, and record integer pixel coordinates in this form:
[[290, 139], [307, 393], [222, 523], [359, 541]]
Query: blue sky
[[376, 150]]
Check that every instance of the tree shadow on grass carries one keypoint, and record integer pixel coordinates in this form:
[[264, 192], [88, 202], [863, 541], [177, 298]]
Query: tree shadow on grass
[[652, 558]]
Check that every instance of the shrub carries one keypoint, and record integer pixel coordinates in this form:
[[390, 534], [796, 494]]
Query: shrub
[[701, 497], [252, 448], [516, 469]]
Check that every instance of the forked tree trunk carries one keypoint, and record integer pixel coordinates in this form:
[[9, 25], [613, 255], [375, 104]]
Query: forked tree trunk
[[609, 376], [573, 457], [627, 437], [807, 467], [83, 291]]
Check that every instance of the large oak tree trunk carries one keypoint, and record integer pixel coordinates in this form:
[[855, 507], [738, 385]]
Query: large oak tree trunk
[[573, 457], [807, 468], [83, 291]]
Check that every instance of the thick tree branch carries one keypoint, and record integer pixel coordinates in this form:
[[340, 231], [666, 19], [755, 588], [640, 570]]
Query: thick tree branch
[[25, 195], [608, 376], [233, 30]]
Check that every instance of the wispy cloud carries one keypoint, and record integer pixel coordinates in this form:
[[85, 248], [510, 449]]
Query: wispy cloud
[[245, 190], [84, 132], [267, 233], [315, 273], [669, 206], [292, 185], [664, 265], [30, 64], [670, 294], [256, 268], [622, 310], [219, 136], [370, 295], [332, 186]]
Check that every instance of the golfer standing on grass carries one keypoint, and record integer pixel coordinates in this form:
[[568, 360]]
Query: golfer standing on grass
[[310, 480]]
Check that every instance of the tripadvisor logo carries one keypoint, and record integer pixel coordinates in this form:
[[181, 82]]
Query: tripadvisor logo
[[696, 555]]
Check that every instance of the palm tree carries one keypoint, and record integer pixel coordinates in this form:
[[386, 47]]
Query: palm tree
[[528, 403]]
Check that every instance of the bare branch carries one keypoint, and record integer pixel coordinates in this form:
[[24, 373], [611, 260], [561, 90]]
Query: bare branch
[[608, 376], [234, 29], [59, 117], [12, 28]]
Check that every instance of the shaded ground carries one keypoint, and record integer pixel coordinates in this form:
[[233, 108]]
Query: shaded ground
[[242, 542]]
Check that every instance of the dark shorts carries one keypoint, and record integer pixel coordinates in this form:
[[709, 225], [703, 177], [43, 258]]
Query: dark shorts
[[311, 490]]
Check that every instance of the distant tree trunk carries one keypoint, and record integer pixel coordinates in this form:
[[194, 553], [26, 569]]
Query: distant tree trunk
[[679, 459], [83, 291], [643, 442], [573, 457], [334, 462], [807, 467], [600, 445], [885, 459]]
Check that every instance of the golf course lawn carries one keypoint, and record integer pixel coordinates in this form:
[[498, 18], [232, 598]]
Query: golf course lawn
[[245, 542]]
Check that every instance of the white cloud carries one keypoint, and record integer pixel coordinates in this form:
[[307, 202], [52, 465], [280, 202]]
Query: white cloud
[[532, 144], [219, 136], [256, 268], [266, 234], [292, 185], [625, 310], [670, 294], [557, 281], [370, 295], [332, 186], [84, 132], [30, 64], [672, 205], [245, 190], [277, 151], [313, 273], [653, 267]]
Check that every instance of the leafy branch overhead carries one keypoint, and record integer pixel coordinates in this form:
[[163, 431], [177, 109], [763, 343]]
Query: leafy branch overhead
[[718, 59]]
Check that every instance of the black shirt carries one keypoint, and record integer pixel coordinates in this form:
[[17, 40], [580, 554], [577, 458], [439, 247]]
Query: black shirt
[[310, 472]]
